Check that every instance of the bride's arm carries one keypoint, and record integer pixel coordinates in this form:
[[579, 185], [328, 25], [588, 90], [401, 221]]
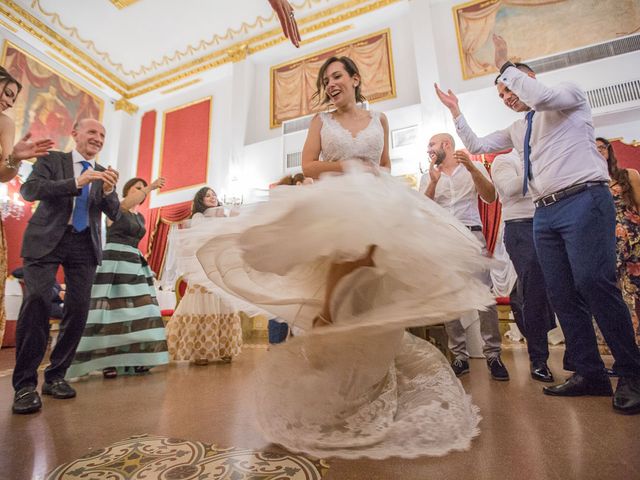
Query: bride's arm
[[385, 160], [311, 164]]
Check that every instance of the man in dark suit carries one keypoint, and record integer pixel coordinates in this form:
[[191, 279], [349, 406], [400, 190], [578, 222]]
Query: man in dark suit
[[73, 191]]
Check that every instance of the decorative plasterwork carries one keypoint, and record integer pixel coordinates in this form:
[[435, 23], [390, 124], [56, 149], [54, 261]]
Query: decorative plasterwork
[[125, 105], [120, 4], [181, 86], [309, 24]]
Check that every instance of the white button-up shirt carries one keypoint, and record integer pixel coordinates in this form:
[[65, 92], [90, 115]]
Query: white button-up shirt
[[77, 171], [508, 173], [563, 149], [457, 193]]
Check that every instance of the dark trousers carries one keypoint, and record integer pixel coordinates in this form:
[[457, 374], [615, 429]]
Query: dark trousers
[[532, 311], [576, 245], [75, 254]]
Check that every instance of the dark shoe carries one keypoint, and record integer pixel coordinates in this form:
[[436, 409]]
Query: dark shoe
[[58, 389], [498, 370], [577, 386], [627, 397], [26, 400], [460, 367], [540, 371], [110, 372], [141, 369]]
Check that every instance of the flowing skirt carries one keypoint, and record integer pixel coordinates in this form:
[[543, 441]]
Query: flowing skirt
[[124, 327], [360, 387]]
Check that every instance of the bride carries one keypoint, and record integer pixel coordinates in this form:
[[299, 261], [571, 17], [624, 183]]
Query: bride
[[353, 259]]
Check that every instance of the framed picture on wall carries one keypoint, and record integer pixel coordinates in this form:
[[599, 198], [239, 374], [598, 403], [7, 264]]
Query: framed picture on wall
[[403, 137], [49, 103]]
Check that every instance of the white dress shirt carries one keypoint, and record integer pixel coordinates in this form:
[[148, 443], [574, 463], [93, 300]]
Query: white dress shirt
[[77, 171], [563, 149], [507, 173], [457, 193]]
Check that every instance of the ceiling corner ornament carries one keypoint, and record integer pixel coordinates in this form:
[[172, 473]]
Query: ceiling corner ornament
[[120, 4], [125, 105], [238, 52]]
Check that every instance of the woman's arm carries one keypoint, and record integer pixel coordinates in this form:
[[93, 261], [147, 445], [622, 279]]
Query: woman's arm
[[634, 180], [7, 134], [136, 197], [312, 166], [385, 161]]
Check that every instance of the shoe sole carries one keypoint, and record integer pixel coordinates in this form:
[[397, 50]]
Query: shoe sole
[[538, 379], [461, 373], [632, 411], [26, 412], [552, 394], [59, 397], [500, 379]]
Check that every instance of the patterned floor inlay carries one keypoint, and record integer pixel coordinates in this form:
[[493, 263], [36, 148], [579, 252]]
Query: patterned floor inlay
[[150, 457]]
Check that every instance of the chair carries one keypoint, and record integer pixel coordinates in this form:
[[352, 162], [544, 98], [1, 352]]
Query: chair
[[180, 289], [503, 305]]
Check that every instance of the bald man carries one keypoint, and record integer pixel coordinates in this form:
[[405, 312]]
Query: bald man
[[73, 191], [454, 182]]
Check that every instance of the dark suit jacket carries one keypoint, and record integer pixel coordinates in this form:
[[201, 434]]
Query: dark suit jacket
[[53, 184]]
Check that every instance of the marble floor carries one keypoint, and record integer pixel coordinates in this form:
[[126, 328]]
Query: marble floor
[[524, 434]]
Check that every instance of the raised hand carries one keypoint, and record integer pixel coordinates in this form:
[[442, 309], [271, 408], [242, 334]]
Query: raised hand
[[434, 172], [287, 20], [449, 100], [88, 176], [501, 56], [109, 180], [27, 148], [463, 159], [157, 183]]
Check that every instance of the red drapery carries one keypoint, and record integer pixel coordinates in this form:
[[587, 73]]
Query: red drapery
[[160, 221], [490, 214]]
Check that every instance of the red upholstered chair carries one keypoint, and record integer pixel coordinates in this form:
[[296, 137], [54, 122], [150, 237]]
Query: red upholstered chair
[[180, 289]]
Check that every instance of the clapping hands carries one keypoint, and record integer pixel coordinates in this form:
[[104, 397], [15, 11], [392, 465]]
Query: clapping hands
[[27, 148], [287, 20]]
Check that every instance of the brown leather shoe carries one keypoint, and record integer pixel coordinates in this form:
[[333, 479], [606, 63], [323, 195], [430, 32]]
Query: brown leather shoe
[[578, 386], [58, 389], [26, 400]]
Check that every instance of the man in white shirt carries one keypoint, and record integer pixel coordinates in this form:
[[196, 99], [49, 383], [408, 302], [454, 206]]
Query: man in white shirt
[[537, 317], [454, 182], [574, 223]]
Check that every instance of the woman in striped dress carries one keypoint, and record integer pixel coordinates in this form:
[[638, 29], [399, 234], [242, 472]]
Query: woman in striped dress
[[124, 331]]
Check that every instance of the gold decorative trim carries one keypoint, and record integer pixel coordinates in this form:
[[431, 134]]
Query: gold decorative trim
[[75, 70], [120, 4], [212, 60], [11, 28], [125, 105], [238, 53], [180, 87], [164, 122], [330, 33]]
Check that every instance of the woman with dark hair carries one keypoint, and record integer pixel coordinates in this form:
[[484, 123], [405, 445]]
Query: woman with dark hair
[[625, 188], [204, 199], [10, 157], [124, 331], [353, 272]]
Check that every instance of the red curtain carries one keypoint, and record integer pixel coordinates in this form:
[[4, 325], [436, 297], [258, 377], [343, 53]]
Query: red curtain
[[490, 214], [159, 222]]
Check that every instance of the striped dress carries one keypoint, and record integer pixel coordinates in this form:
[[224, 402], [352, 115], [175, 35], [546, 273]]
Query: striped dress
[[124, 327]]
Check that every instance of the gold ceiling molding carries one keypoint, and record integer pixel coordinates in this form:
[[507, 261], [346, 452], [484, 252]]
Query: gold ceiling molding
[[125, 105], [75, 70], [188, 51], [11, 28], [120, 4], [46, 35], [181, 86]]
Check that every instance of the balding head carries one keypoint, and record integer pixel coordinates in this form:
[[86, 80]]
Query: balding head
[[441, 146], [89, 135]]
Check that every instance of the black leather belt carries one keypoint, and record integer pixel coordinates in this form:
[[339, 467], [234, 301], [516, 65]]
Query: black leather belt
[[474, 228], [565, 192], [519, 220]]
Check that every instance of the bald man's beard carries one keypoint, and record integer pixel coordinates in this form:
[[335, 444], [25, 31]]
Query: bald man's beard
[[440, 156]]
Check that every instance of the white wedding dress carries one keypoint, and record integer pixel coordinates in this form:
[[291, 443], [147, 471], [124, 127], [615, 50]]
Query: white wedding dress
[[361, 387]]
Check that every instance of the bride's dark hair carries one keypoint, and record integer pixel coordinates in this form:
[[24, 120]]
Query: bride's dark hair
[[198, 201], [321, 96]]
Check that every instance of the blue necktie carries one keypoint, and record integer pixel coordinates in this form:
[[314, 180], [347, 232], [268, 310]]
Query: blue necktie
[[527, 154], [80, 217]]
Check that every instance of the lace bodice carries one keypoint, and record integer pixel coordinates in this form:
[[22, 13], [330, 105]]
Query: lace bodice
[[338, 143]]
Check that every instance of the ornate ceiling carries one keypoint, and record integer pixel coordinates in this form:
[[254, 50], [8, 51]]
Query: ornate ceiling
[[132, 47]]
